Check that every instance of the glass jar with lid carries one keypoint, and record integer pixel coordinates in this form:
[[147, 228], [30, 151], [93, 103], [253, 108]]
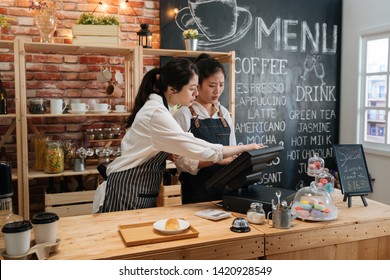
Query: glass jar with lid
[[314, 204], [315, 165], [325, 181], [256, 214], [89, 134], [54, 157], [99, 135], [108, 133], [39, 147]]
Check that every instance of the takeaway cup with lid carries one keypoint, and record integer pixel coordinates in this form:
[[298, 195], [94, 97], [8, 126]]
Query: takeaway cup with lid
[[45, 227], [17, 237]]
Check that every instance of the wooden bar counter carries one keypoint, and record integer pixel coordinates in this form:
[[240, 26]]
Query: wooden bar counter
[[97, 237], [358, 233]]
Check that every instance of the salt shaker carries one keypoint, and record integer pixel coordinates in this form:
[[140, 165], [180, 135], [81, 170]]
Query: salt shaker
[[256, 214]]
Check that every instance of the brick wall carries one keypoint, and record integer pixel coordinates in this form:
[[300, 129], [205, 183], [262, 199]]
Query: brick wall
[[24, 27]]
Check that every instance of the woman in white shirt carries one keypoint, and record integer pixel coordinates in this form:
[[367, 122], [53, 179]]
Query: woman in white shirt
[[207, 119], [135, 177]]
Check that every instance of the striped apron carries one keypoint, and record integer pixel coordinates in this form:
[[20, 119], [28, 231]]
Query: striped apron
[[135, 188]]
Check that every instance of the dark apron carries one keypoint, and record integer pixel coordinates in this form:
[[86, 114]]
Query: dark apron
[[215, 131], [135, 188]]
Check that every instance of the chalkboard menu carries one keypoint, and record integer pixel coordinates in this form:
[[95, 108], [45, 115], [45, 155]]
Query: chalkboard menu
[[352, 167], [287, 71]]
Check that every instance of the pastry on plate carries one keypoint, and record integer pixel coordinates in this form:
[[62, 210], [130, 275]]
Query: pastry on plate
[[172, 224]]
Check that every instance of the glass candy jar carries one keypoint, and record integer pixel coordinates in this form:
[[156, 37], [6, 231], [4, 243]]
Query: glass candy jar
[[54, 157], [256, 214], [314, 204], [325, 181], [315, 165]]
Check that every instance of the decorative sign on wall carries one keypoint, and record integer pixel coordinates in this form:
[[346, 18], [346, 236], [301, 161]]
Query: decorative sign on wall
[[353, 174], [287, 72]]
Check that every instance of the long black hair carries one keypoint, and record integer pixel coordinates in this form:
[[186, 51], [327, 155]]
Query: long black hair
[[175, 73], [208, 66]]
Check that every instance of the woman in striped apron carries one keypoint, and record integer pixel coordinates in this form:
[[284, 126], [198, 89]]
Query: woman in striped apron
[[135, 177]]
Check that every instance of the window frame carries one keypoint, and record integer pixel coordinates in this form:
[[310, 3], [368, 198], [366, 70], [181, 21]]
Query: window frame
[[373, 147]]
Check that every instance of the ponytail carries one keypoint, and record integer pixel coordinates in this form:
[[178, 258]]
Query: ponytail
[[176, 73]]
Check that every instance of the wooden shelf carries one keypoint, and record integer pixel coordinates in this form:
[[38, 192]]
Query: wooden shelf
[[76, 49], [89, 170], [8, 116], [112, 114]]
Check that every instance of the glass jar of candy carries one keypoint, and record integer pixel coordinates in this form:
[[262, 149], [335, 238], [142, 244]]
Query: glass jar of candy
[[54, 157], [315, 165], [256, 214], [314, 204], [325, 181]]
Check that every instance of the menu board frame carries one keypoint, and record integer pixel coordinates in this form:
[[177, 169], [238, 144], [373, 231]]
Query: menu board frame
[[354, 177]]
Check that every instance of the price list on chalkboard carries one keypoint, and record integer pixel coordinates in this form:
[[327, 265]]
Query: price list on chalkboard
[[286, 71]]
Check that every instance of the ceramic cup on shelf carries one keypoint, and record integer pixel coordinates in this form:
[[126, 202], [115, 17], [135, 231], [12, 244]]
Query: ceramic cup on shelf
[[45, 227], [57, 106], [120, 108], [113, 91], [79, 107], [17, 237], [102, 107]]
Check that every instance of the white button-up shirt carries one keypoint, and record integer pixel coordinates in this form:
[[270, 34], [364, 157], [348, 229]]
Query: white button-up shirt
[[155, 130]]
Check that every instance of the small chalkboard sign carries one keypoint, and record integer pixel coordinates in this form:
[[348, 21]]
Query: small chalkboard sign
[[353, 173]]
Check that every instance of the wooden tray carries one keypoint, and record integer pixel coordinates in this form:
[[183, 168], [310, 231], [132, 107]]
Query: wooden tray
[[144, 233]]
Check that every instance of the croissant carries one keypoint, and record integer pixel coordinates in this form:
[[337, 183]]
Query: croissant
[[172, 224]]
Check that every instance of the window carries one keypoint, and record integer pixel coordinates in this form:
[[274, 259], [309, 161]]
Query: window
[[374, 126]]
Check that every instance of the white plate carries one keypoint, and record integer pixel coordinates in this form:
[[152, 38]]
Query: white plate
[[100, 112], [160, 226], [77, 112], [119, 111]]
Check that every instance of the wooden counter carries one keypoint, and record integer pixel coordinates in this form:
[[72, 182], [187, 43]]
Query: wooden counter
[[358, 233], [97, 237]]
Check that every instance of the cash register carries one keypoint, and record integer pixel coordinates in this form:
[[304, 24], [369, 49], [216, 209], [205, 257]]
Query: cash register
[[239, 181]]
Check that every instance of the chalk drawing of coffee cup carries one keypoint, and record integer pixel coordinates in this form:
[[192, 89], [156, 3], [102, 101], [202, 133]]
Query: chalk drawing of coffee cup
[[221, 22]]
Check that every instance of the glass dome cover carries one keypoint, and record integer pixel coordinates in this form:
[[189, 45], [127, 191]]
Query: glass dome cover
[[314, 204], [315, 165]]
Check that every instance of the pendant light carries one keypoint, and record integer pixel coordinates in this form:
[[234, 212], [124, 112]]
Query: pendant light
[[144, 34]]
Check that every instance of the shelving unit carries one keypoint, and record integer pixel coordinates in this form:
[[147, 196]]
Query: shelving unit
[[26, 52], [27, 124], [17, 174]]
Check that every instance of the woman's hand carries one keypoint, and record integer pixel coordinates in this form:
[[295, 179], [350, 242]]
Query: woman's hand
[[254, 146], [227, 160], [173, 157]]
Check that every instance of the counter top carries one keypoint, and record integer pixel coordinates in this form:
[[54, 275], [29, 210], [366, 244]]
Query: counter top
[[97, 237]]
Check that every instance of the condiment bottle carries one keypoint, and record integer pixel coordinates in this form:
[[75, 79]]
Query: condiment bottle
[[3, 99], [54, 159], [256, 214]]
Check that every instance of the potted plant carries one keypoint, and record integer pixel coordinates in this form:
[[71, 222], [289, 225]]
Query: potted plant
[[191, 37], [5, 22], [96, 30]]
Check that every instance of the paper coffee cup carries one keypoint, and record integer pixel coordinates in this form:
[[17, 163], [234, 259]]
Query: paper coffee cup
[[45, 227], [17, 237]]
